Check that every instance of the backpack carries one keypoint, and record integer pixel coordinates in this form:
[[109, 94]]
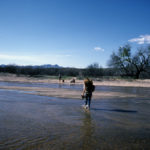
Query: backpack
[[89, 87], [93, 88]]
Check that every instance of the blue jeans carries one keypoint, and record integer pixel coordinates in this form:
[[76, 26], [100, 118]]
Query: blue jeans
[[88, 99]]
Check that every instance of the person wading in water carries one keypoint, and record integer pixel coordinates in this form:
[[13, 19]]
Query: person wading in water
[[59, 78], [88, 88]]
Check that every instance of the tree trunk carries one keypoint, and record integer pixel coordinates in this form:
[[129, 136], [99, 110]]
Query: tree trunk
[[137, 74]]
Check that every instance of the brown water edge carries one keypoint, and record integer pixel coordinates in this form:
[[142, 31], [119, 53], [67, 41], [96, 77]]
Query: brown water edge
[[70, 93]]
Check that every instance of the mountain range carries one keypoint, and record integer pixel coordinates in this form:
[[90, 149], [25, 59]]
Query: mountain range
[[35, 66]]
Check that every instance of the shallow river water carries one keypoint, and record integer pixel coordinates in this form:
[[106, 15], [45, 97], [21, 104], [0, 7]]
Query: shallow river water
[[32, 122]]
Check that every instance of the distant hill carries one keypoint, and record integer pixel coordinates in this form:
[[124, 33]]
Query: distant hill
[[50, 66], [35, 66]]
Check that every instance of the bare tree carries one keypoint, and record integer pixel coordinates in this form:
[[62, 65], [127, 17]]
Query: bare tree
[[131, 65], [94, 70]]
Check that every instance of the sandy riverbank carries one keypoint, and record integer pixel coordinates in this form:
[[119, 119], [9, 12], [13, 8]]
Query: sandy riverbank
[[72, 93], [66, 93], [103, 82]]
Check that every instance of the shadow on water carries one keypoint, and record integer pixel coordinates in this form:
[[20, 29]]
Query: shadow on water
[[116, 110]]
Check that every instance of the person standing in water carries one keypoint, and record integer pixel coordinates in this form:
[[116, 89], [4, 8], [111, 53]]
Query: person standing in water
[[59, 78], [88, 88]]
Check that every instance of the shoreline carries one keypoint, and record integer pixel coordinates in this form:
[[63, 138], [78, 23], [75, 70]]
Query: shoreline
[[103, 82], [72, 93], [67, 93]]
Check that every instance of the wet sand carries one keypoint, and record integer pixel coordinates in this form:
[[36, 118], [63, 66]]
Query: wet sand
[[68, 93]]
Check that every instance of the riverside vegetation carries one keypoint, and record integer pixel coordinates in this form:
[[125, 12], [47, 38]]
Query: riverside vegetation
[[122, 63]]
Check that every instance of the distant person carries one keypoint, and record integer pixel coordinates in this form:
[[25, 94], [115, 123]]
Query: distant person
[[73, 81], [88, 88], [59, 78]]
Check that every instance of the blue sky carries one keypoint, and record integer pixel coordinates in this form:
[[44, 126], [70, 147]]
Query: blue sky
[[70, 33]]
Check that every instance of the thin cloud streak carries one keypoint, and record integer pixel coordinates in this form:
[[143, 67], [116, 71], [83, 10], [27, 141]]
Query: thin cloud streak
[[98, 49], [142, 39], [33, 59], [67, 55], [11, 57]]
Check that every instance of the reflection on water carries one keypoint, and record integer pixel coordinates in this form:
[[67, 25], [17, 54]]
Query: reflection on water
[[87, 133], [46, 85]]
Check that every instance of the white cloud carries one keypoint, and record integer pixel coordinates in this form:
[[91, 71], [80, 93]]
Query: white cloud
[[142, 39], [98, 49]]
